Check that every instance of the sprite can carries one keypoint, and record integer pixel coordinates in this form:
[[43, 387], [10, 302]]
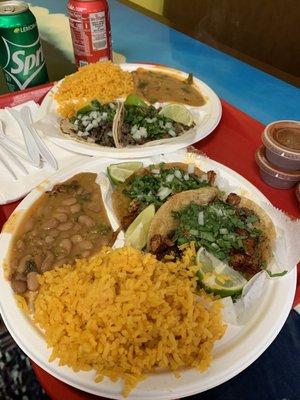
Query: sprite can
[[21, 54]]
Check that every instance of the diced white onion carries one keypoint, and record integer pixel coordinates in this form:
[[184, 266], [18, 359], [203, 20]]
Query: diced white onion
[[191, 168], [93, 114], [186, 177], [109, 133], [79, 116], [250, 225], [169, 178], [223, 231], [194, 232], [201, 218], [172, 133], [155, 171], [76, 122], [150, 120], [85, 122], [168, 125], [94, 123], [89, 127], [140, 133], [164, 192], [178, 174], [104, 115]]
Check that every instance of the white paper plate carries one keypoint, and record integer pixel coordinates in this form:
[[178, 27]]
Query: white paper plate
[[239, 347], [208, 115]]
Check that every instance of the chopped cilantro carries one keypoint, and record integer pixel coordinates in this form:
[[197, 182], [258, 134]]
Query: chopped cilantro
[[146, 189], [148, 118], [221, 232]]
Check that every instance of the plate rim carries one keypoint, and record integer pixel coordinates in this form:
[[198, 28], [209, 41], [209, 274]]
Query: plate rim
[[136, 394]]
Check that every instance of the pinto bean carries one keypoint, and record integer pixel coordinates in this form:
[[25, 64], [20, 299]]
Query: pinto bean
[[75, 208], [76, 238], [93, 206], [76, 228], [18, 287], [32, 281], [86, 245], [61, 210], [22, 263], [65, 226], [85, 220], [50, 224], [61, 217], [48, 261], [69, 201], [66, 244]]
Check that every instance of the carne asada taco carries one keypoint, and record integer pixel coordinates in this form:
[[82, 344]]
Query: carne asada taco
[[93, 123], [140, 124], [236, 231], [154, 185]]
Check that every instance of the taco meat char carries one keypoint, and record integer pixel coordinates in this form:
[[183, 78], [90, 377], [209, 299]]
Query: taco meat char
[[236, 231], [155, 185]]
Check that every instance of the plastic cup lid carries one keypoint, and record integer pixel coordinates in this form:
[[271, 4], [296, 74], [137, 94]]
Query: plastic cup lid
[[263, 163], [269, 138]]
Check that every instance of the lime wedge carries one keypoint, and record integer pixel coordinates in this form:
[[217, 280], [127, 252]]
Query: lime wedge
[[217, 277], [118, 173], [137, 233], [134, 100], [178, 113]]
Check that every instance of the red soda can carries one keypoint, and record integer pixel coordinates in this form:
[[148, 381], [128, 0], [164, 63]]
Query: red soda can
[[90, 30]]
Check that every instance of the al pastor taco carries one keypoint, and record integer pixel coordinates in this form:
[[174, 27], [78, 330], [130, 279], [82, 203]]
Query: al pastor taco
[[236, 230], [155, 185]]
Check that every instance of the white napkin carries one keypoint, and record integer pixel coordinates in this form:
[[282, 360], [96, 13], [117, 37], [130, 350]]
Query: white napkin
[[10, 189]]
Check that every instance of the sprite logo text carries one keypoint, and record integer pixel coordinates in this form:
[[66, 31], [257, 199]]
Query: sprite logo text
[[24, 62]]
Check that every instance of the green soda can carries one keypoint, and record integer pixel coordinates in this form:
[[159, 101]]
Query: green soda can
[[21, 54]]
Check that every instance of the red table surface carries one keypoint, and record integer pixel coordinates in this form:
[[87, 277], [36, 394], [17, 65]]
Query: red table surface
[[233, 143]]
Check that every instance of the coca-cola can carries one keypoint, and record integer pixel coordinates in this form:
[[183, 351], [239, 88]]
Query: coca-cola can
[[90, 30]]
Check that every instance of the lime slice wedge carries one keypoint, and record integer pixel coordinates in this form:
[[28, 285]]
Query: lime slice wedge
[[178, 113], [118, 173], [217, 277], [134, 100], [137, 233]]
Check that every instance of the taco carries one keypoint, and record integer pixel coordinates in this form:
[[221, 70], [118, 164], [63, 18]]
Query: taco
[[236, 230], [137, 125], [93, 123], [155, 185]]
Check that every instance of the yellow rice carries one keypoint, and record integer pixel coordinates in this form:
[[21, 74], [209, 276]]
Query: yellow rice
[[124, 314], [103, 81]]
